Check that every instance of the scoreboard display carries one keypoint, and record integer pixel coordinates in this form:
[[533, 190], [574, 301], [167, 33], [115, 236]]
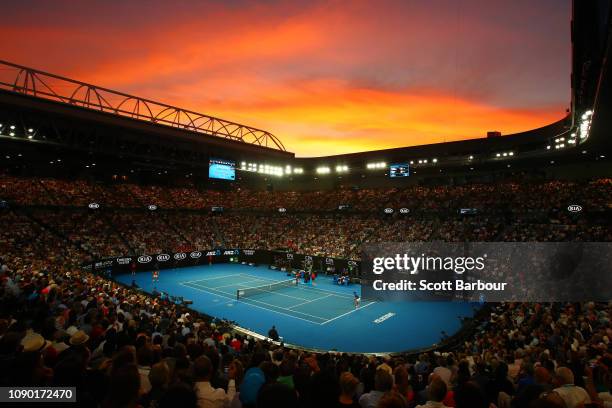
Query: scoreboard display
[[221, 169], [399, 170]]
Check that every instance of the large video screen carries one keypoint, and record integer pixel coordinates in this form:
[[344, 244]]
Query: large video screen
[[399, 170], [222, 169]]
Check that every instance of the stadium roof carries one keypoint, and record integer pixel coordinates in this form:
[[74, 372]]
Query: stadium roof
[[40, 84]]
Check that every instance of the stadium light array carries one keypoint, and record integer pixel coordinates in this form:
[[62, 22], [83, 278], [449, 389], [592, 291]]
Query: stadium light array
[[342, 169], [504, 154], [585, 125], [323, 170], [269, 169], [262, 169], [376, 165]]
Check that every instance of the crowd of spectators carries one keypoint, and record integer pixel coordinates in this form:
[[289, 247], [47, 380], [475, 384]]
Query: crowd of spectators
[[513, 196], [124, 225], [60, 325]]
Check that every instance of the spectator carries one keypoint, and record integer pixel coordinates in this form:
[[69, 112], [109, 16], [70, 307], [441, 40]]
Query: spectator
[[209, 397], [571, 395], [273, 334], [436, 393], [383, 382], [348, 389]]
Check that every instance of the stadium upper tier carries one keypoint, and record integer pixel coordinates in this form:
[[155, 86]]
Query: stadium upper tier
[[506, 196], [121, 222]]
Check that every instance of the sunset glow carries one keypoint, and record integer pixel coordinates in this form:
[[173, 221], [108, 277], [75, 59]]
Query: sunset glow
[[325, 77]]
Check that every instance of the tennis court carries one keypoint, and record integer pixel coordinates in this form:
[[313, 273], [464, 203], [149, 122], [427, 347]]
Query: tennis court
[[320, 317], [299, 301]]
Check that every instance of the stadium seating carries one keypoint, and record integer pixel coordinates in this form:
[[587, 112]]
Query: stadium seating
[[61, 325]]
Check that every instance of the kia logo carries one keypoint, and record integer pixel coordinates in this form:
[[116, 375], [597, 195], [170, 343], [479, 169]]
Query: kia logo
[[195, 254], [404, 211], [145, 259], [163, 257], [388, 210], [94, 206], [180, 255], [152, 207], [282, 210], [574, 208]]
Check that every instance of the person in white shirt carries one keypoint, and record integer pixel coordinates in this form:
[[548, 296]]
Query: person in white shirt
[[209, 397], [383, 382], [572, 395]]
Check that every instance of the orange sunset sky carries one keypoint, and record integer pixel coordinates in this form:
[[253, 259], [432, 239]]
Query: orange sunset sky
[[326, 77]]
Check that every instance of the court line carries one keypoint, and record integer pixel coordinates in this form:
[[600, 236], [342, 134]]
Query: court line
[[260, 307], [341, 295], [253, 279], [276, 292], [233, 284], [215, 278], [347, 313], [230, 294], [258, 301], [305, 287], [331, 293], [310, 301]]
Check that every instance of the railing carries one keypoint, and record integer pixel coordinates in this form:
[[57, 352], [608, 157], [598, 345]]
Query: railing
[[29, 81]]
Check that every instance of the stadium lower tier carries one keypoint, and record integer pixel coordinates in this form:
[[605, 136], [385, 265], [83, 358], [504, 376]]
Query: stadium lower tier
[[60, 324]]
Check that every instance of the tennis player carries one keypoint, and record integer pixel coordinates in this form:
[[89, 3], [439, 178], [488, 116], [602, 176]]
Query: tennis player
[[155, 276], [356, 300]]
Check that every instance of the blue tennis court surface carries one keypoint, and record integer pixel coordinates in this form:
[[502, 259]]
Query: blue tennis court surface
[[321, 316]]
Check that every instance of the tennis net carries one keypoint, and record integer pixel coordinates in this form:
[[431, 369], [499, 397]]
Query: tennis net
[[270, 287]]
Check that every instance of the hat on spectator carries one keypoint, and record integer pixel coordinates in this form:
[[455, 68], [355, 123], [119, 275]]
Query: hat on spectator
[[34, 342], [79, 338]]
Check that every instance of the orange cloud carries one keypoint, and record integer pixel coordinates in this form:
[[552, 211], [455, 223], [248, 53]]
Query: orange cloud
[[325, 77], [333, 117]]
